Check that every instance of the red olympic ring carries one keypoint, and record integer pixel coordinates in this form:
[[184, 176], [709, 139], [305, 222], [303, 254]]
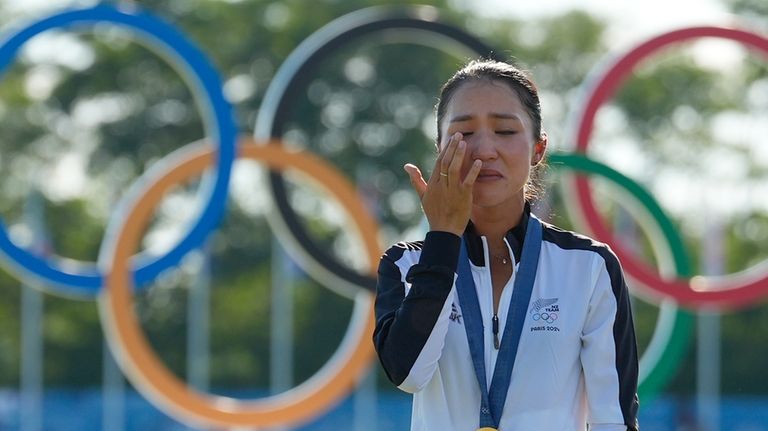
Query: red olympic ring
[[734, 291]]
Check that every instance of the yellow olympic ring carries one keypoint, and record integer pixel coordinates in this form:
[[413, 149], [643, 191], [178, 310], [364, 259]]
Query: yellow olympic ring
[[150, 375]]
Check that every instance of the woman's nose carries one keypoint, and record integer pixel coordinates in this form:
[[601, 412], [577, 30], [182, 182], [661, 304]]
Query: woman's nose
[[482, 146]]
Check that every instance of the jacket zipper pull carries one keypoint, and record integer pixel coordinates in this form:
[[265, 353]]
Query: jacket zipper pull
[[495, 321]]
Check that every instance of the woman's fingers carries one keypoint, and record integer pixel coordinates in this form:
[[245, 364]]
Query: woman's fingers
[[449, 154], [442, 149], [454, 168], [474, 171]]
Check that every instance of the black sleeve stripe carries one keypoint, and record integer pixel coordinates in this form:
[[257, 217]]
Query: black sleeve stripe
[[623, 327], [404, 324], [390, 292], [624, 338]]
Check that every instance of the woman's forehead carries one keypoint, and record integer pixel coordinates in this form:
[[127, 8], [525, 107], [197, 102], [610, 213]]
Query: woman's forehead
[[493, 99]]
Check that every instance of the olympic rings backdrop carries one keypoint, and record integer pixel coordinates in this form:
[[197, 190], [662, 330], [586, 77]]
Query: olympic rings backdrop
[[113, 279]]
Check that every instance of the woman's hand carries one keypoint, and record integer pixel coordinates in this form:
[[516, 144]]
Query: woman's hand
[[447, 198]]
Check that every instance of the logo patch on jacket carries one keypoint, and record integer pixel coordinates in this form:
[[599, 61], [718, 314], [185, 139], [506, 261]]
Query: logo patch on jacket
[[544, 312], [455, 316]]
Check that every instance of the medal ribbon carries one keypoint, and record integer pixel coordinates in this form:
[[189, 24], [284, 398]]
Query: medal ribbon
[[492, 402]]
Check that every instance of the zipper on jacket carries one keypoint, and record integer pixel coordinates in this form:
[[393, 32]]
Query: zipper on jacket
[[495, 328]]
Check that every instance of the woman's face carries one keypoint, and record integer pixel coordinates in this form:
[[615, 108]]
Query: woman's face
[[499, 132]]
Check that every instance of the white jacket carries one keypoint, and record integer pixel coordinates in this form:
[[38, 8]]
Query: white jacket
[[577, 358]]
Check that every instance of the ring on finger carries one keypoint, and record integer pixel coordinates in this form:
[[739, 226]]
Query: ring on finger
[[443, 174]]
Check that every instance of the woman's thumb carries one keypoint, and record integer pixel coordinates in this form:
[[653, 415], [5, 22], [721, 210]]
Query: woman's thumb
[[417, 180]]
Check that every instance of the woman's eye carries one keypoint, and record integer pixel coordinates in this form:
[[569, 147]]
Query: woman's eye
[[465, 134], [506, 132]]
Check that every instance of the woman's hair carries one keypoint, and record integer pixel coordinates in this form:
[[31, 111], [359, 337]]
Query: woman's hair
[[518, 80]]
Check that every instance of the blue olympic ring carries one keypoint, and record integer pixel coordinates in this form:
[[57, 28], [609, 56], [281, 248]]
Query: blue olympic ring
[[219, 120]]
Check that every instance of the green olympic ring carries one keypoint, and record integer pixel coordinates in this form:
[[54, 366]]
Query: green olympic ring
[[670, 340]]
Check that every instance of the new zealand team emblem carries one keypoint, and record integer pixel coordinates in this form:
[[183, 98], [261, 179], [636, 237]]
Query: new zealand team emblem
[[545, 310]]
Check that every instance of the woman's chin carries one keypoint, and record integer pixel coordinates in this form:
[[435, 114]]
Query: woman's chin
[[493, 198]]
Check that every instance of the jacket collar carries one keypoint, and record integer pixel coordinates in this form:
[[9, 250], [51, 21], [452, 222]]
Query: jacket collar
[[514, 236]]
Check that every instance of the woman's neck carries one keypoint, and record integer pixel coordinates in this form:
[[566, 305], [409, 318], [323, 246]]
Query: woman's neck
[[494, 222]]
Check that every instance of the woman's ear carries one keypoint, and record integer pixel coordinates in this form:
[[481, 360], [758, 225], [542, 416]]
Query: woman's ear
[[539, 148]]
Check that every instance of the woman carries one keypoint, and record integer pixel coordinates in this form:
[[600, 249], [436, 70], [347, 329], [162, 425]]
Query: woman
[[497, 320]]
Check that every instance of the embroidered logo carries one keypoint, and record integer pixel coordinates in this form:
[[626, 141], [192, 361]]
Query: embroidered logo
[[455, 316], [545, 310]]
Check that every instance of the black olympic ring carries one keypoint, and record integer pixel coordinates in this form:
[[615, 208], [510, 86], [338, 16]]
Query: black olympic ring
[[294, 75]]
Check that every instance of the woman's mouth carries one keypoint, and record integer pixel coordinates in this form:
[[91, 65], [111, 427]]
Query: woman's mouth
[[489, 175]]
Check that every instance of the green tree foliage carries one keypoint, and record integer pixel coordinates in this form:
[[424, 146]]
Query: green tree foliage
[[755, 9]]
